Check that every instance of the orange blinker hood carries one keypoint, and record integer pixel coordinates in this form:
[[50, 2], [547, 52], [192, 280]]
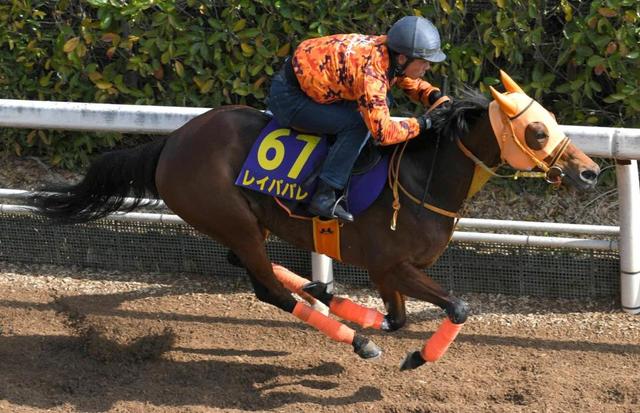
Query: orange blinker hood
[[510, 114]]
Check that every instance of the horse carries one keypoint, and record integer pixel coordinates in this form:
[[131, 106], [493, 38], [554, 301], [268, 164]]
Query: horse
[[193, 171]]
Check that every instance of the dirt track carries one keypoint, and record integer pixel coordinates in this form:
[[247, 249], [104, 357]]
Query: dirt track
[[92, 341]]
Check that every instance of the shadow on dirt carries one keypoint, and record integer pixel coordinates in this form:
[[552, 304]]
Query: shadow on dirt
[[104, 362], [108, 305], [49, 371]]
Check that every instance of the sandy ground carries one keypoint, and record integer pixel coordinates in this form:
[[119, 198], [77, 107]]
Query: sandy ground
[[78, 340]]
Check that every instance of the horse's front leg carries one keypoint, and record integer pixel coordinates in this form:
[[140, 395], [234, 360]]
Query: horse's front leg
[[413, 282], [394, 303]]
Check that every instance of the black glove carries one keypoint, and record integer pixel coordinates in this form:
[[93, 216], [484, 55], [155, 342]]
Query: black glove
[[425, 122], [433, 96]]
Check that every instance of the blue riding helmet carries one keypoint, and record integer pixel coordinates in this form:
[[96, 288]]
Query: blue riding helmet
[[416, 38]]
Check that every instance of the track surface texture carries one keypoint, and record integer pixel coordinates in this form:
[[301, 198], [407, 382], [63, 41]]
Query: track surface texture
[[80, 340]]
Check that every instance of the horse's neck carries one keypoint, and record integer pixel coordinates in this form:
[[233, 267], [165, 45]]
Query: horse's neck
[[482, 142], [453, 171]]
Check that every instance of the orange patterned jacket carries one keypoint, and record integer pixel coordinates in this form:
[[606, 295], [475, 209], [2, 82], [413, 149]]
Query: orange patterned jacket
[[356, 67]]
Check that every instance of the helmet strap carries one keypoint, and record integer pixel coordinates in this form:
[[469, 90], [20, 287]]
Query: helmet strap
[[396, 68]]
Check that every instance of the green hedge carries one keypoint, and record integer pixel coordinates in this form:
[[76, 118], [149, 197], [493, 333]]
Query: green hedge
[[582, 58]]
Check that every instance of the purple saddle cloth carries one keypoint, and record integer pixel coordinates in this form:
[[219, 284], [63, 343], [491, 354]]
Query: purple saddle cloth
[[285, 163]]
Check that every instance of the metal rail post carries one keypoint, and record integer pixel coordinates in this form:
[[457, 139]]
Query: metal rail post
[[322, 269], [629, 244]]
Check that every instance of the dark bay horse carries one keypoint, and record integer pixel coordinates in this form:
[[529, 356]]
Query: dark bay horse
[[193, 170]]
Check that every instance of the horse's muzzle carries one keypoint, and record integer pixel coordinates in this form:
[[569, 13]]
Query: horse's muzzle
[[589, 177]]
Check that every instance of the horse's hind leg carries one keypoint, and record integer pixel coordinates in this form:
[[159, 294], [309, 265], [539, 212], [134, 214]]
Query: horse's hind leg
[[347, 309], [364, 347], [250, 250], [366, 317]]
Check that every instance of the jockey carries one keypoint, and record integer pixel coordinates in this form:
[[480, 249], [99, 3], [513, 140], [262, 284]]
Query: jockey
[[338, 85]]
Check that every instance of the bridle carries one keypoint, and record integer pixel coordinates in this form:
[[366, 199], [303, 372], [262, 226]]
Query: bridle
[[551, 172]]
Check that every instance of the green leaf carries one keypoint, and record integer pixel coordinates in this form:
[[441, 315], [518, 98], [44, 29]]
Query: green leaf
[[532, 10], [179, 68], [71, 44], [491, 81], [563, 88], [444, 4], [247, 49], [103, 85], [584, 51], [249, 33], [239, 25], [45, 80], [207, 86], [617, 96], [242, 91], [106, 22], [284, 50], [595, 60]]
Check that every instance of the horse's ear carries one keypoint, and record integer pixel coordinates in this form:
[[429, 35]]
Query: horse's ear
[[506, 104], [509, 83]]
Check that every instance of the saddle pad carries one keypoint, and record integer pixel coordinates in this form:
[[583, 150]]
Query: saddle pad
[[282, 160]]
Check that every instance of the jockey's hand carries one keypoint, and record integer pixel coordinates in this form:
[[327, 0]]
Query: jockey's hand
[[425, 122], [434, 96]]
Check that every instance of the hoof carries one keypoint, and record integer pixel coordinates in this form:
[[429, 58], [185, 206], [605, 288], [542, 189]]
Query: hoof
[[366, 348], [412, 361], [389, 324]]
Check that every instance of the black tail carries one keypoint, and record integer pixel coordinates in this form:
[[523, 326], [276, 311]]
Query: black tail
[[110, 179]]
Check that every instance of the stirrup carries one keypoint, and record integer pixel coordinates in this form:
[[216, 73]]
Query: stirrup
[[347, 216], [331, 213]]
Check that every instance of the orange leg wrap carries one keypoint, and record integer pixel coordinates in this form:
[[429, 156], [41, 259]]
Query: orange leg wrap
[[330, 327], [292, 282], [348, 310], [440, 341]]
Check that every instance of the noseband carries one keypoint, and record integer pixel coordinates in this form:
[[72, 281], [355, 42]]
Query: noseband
[[551, 172]]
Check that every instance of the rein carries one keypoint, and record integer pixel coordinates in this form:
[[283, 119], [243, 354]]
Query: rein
[[394, 179]]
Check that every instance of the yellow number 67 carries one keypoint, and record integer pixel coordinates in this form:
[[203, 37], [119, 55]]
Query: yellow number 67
[[271, 141]]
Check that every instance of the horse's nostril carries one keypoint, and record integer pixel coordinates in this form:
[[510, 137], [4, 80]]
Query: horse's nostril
[[588, 175]]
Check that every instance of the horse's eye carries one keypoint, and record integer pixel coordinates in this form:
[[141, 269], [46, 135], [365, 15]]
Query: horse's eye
[[536, 135]]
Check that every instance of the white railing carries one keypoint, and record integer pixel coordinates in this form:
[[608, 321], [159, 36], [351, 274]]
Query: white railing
[[622, 144], [616, 143]]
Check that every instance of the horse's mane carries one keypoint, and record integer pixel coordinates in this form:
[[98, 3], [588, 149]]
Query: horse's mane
[[454, 120]]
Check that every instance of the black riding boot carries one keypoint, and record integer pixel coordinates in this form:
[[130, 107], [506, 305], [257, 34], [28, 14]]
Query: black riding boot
[[324, 204]]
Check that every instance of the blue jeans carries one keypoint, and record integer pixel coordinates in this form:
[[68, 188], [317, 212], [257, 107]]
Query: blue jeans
[[292, 108]]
